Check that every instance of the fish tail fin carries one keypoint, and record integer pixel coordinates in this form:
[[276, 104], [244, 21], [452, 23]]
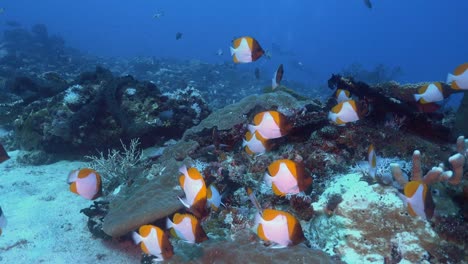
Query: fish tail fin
[[417, 97], [258, 218], [169, 223], [450, 78], [137, 238], [232, 50], [252, 129], [244, 143], [184, 202], [183, 170]]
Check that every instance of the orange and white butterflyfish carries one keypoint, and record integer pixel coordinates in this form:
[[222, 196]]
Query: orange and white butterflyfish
[[3, 221], [270, 124], [153, 241], [418, 197], [279, 228], [342, 95], [287, 177], [254, 143], [459, 79], [194, 187], [3, 154], [186, 227], [277, 77], [372, 159], [86, 183], [213, 197], [429, 93], [344, 112], [245, 50]]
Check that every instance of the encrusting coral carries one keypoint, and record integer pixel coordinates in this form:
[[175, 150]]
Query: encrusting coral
[[436, 174]]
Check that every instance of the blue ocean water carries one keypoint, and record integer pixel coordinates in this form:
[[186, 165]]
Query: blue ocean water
[[313, 39]]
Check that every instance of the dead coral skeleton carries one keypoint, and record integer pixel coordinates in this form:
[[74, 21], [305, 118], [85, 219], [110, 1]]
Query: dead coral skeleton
[[117, 166], [436, 174]]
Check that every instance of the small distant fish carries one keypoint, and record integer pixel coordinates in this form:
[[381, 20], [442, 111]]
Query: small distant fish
[[287, 177], [257, 73], [159, 14], [194, 187], [254, 200], [279, 228], [270, 124], [154, 241], [213, 197], [3, 154], [277, 77], [372, 159], [86, 183], [368, 3], [219, 52], [343, 113], [429, 93], [245, 50], [178, 35], [3, 221], [186, 227], [342, 95], [418, 197], [255, 143], [459, 79]]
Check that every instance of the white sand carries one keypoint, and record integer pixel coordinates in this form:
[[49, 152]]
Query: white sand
[[44, 220]]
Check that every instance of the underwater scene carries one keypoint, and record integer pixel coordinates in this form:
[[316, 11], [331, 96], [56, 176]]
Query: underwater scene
[[233, 132]]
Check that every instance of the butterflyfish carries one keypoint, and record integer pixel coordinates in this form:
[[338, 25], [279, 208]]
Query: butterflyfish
[[342, 95], [153, 241], [254, 143], [418, 198], [372, 159], [186, 227], [3, 154], [287, 177], [86, 183], [3, 221], [277, 77], [194, 187], [459, 79], [213, 197], [343, 113], [270, 124], [429, 93], [245, 50], [279, 228]]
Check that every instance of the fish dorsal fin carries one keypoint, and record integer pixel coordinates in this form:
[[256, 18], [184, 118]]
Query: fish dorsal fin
[[411, 187], [270, 214], [83, 173], [250, 42], [412, 190], [258, 118], [145, 230], [276, 117], [439, 87], [237, 42], [423, 89], [274, 167], [178, 218], [248, 136], [461, 69], [292, 223], [337, 108], [194, 174], [209, 193]]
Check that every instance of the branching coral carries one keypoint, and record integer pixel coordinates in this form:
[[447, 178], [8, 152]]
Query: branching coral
[[118, 167], [436, 174]]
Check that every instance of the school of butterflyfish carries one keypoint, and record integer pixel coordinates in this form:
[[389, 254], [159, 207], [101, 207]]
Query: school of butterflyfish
[[285, 177]]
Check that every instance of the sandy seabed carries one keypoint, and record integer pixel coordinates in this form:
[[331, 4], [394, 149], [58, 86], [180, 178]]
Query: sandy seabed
[[44, 220]]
